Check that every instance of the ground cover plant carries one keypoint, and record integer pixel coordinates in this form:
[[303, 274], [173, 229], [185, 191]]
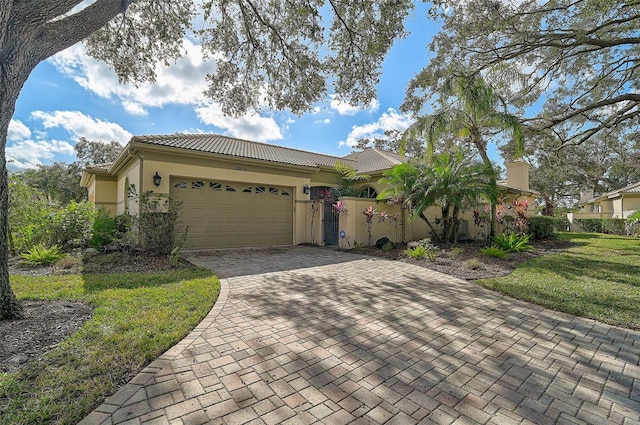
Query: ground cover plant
[[136, 317], [597, 278]]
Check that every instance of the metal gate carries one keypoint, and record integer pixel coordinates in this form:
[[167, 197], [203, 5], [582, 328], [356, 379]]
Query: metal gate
[[331, 219]]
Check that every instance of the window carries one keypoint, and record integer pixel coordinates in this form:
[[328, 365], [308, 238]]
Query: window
[[197, 184], [230, 189], [284, 192], [260, 189], [181, 185], [273, 190], [215, 186], [247, 189], [369, 192]]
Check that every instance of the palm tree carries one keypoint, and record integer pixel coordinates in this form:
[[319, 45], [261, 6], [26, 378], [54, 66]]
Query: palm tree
[[406, 188], [472, 111], [452, 181], [455, 180]]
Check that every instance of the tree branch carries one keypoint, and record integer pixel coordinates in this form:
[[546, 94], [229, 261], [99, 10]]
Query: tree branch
[[58, 35]]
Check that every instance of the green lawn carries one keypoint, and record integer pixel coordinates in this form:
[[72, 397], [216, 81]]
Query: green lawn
[[137, 316], [599, 278]]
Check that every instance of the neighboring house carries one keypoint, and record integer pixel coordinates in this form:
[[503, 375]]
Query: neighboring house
[[239, 193], [619, 203]]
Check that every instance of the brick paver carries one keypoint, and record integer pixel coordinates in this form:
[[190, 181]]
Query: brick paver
[[305, 335]]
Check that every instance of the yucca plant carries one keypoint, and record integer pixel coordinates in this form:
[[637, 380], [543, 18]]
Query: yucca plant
[[512, 242], [493, 251], [40, 256]]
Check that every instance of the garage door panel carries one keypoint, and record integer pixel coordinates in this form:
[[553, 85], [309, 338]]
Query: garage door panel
[[251, 215]]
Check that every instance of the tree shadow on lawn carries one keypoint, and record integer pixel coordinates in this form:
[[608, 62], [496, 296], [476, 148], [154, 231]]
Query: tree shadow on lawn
[[578, 267], [94, 282]]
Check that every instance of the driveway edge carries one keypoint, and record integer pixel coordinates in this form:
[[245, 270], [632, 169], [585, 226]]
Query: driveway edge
[[102, 413]]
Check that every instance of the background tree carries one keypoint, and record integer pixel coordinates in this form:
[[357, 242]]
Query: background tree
[[394, 141], [470, 110], [91, 152], [580, 59], [600, 164], [273, 54]]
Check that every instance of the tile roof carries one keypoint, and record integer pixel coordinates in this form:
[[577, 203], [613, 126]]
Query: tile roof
[[223, 145], [632, 188], [372, 159]]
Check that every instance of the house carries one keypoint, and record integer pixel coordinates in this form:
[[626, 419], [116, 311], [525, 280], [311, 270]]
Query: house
[[239, 193], [620, 203]]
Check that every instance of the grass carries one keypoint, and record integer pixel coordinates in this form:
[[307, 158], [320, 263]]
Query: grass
[[598, 278], [136, 317]]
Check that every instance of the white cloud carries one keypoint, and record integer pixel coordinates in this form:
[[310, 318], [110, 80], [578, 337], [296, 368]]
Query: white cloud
[[324, 121], [30, 153], [252, 127], [181, 83], [344, 108], [18, 131], [134, 108], [389, 120], [79, 125]]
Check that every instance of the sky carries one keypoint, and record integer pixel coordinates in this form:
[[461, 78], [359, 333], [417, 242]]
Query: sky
[[72, 95]]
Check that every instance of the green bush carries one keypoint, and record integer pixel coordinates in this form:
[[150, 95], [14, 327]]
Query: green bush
[[589, 224], [40, 256], [387, 247], [614, 226], [493, 251], [542, 227], [561, 224], [71, 226], [424, 250], [159, 225], [512, 242], [103, 231]]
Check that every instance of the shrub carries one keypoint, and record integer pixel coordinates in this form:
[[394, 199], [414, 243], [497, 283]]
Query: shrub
[[387, 246], [418, 252], [542, 227], [158, 223], [561, 224], [40, 256], [493, 251], [614, 226], [103, 231], [424, 250], [512, 242], [71, 225], [590, 224]]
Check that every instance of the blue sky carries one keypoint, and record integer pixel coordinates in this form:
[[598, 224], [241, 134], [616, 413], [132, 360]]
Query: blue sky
[[71, 96]]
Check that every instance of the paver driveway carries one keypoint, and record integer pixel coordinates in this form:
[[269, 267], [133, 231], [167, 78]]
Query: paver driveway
[[305, 335]]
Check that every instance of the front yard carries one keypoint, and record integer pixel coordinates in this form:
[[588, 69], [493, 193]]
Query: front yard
[[598, 278], [136, 317]]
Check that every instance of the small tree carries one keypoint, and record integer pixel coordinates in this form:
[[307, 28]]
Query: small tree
[[349, 179]]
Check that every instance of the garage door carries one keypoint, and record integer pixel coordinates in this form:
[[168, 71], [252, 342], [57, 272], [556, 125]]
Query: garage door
[[227, 215]]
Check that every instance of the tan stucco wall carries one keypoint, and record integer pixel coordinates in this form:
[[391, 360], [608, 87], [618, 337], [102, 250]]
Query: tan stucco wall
[[631, 204], [129, 174], [518, 175], [105, 193]]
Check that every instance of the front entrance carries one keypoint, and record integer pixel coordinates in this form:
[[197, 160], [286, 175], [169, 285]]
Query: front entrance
[[330, 218]]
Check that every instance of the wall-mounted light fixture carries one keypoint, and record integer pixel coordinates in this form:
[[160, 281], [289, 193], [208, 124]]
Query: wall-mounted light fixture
[[156, 179], [305, 189]]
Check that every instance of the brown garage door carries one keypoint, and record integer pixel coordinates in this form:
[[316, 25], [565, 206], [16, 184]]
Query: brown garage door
[[227, 215]]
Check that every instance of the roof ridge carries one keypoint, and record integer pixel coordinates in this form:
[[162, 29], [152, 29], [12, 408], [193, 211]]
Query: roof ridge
[[386, 155]]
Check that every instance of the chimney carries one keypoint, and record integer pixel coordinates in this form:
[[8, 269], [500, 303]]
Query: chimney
[[518, 175]]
